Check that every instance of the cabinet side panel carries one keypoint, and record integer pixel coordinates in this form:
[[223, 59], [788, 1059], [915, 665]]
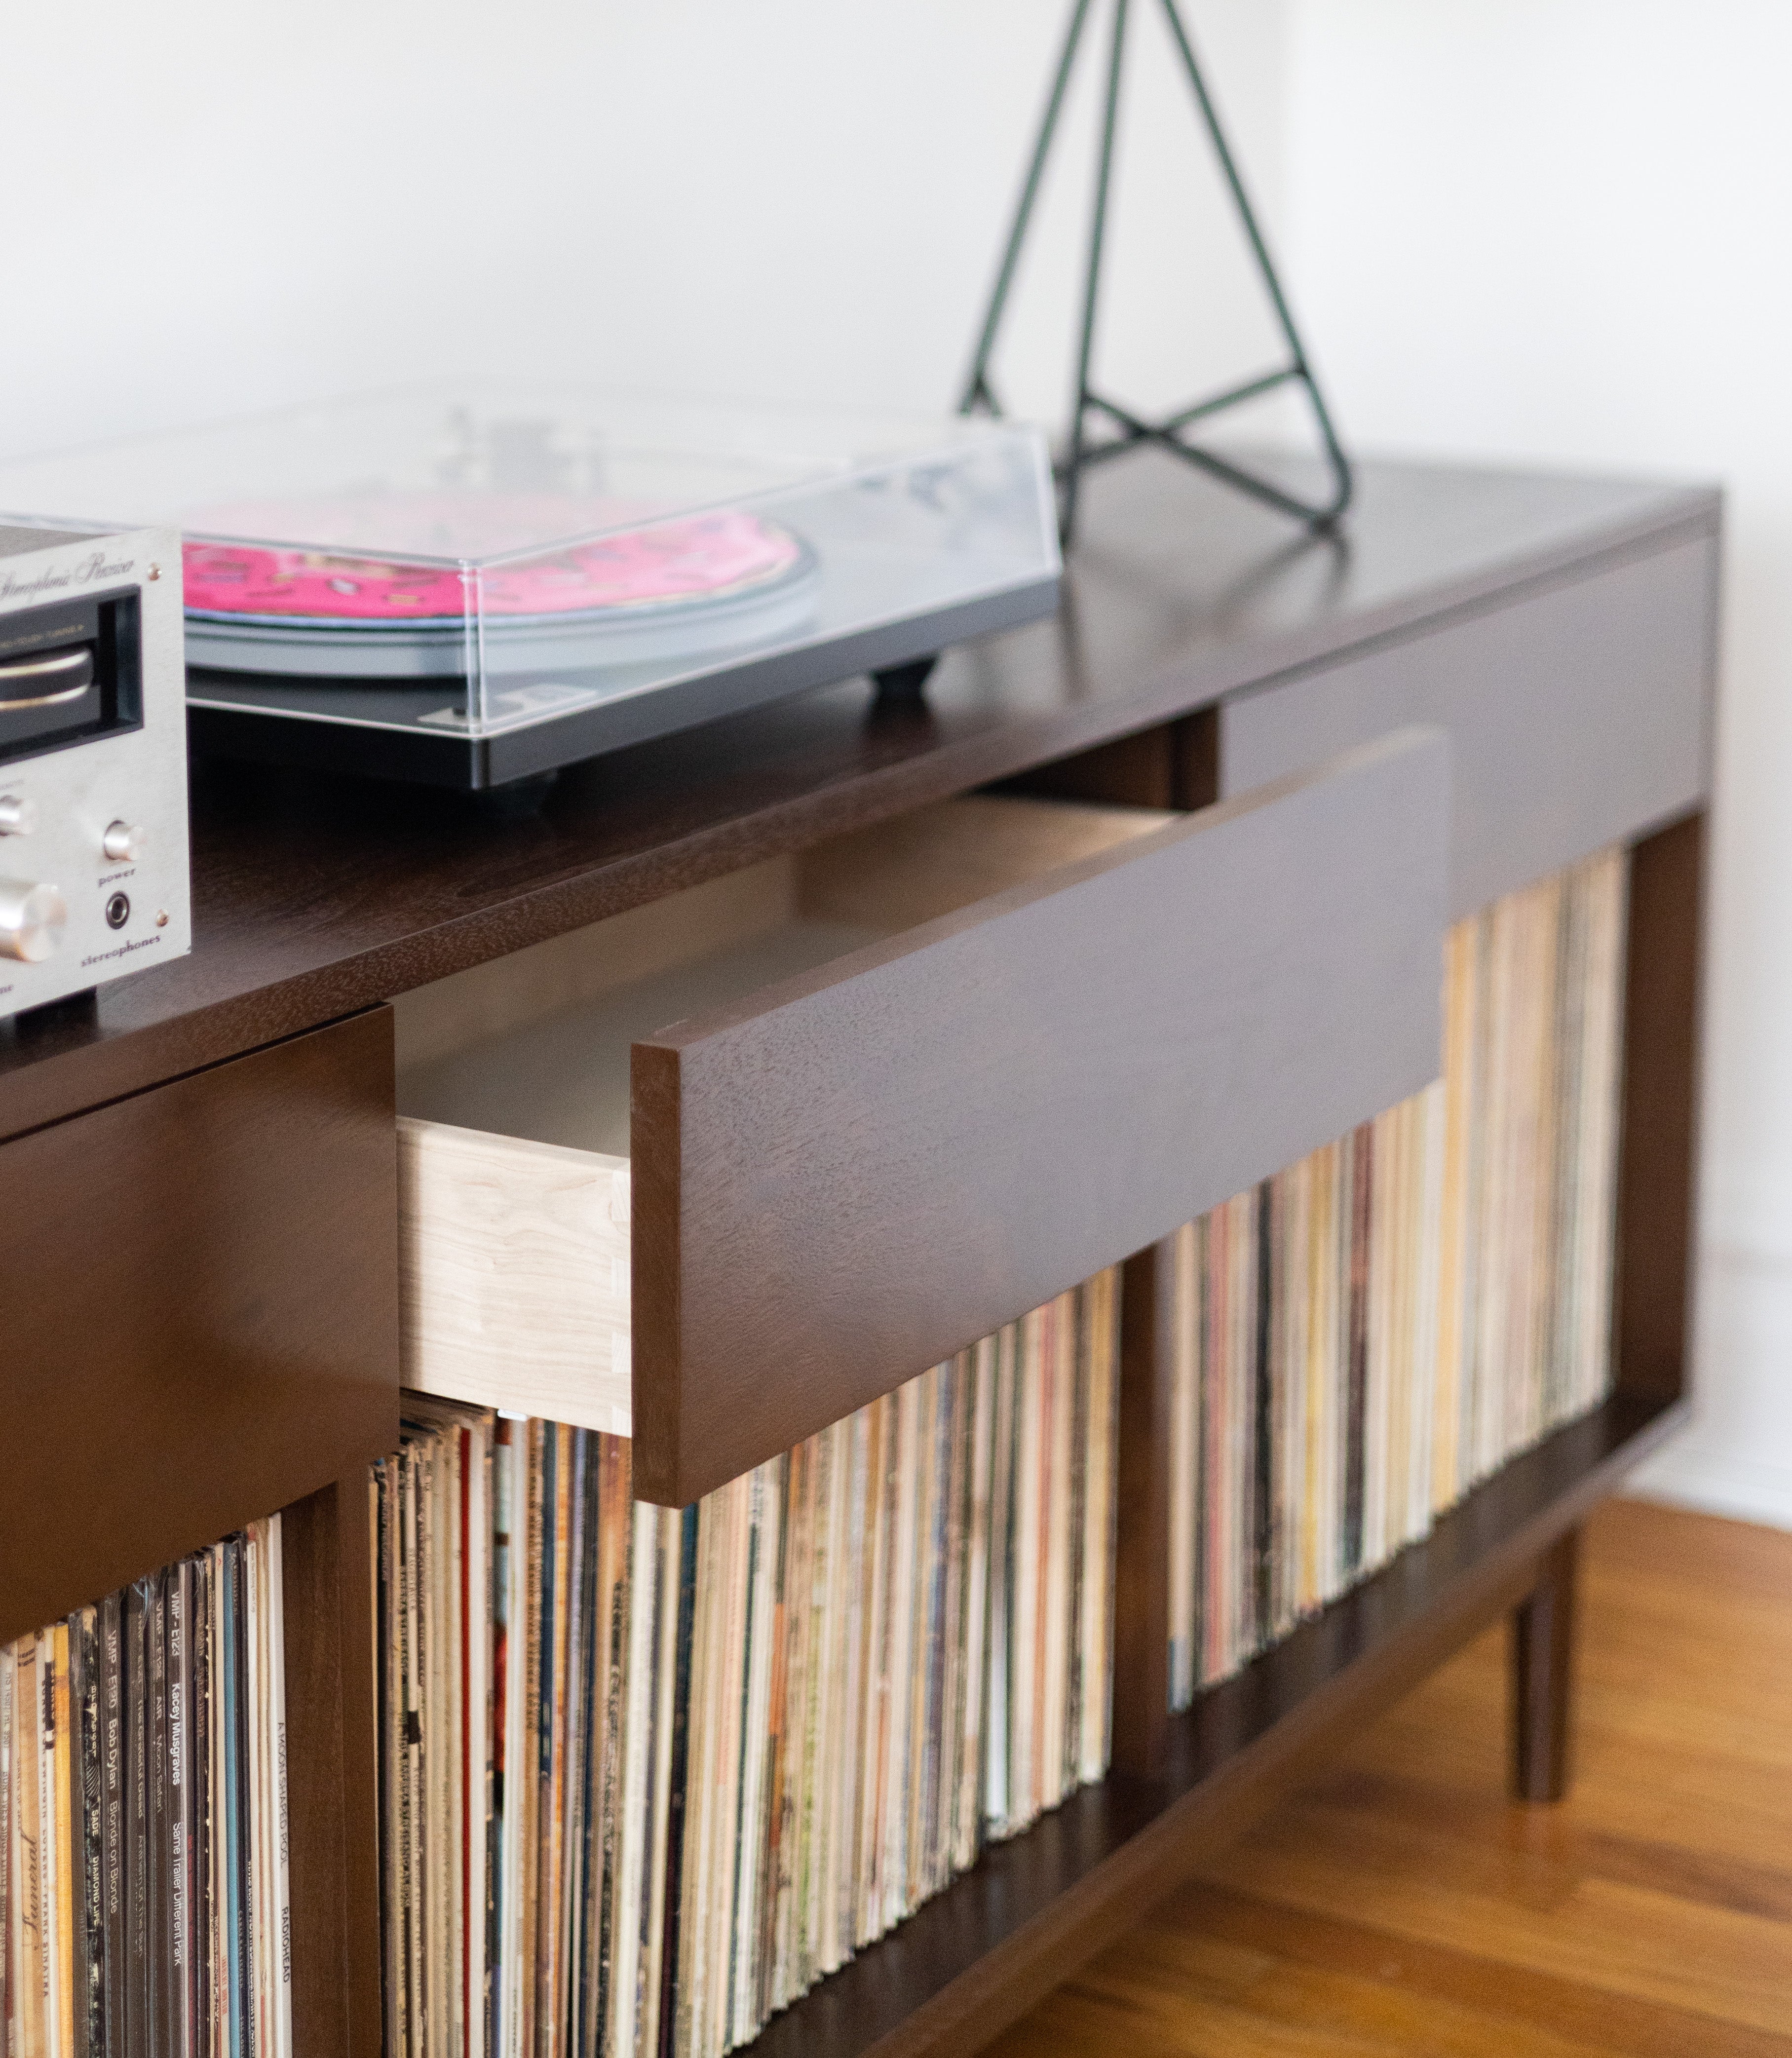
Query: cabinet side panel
[[1142, 1572], [1660, 1147], [316, 1817], [360, 1799]]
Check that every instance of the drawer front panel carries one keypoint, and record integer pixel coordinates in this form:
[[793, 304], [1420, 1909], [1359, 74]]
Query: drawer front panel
[[859, 1172], [200, 1312], [1579, 716]]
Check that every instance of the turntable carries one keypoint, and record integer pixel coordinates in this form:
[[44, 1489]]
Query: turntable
[[472, 588]]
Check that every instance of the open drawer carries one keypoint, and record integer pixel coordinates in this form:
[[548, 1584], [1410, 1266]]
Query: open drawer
[[917, 1080]]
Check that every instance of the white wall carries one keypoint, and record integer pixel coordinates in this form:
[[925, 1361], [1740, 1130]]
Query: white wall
[[1560, 231], [216, 207]]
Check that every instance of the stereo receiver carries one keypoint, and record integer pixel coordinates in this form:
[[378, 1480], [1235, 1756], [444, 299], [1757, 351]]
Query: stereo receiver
[[94, 879]]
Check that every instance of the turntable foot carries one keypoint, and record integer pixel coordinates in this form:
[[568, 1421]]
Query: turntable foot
[[517, 800], [904, 685]]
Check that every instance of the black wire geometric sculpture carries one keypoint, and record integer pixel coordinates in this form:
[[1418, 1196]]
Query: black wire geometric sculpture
[[1127, 431]]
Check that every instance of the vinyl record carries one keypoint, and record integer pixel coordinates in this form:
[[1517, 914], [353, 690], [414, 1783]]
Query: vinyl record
[[655, 594]]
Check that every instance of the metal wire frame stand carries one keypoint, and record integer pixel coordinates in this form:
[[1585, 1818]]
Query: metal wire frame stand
[[1129, 431]]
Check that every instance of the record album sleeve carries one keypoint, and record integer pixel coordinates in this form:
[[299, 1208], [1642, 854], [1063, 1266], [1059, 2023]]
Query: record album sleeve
[[138, 1608], [8, 1867], [114, 1823], [89, 2040]]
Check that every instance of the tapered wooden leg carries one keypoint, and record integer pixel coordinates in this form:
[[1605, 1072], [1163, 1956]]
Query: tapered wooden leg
[[1542, 1666], [1141, 1580]]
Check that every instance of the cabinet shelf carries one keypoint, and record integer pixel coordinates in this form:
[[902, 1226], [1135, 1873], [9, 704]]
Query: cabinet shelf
[[1004, 1934]]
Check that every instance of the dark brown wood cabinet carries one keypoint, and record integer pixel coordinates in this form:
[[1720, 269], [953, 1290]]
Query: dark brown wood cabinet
[[198, 1216]]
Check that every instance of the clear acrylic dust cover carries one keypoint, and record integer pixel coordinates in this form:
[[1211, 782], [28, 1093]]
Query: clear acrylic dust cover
[[474, 560]]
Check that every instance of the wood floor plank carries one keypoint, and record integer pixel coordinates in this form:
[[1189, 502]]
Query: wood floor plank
[[1529, 2004], [1299, 2015], [1660, 1863], [1649, 1792], [1353, 2007], [1517, 1905], [1706, 1553], [1401, 1906]]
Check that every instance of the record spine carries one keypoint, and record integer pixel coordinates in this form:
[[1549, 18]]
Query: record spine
[[234, 1924], [179, 1590], [113, 1825], [60, 1761], [162, 2013], [280, 1841], [138, 2040], [379, 1490], [236, 1743], [84, 1693], [28, 1983], [8, 2045], [679, 1772], [199, 1805]]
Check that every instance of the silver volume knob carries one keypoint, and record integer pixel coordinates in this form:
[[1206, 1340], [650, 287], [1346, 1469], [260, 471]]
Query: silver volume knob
[[32, 919], [123, 840], [18, 817]]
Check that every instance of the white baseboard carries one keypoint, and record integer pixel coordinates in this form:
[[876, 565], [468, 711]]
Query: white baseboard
[[1716, 1483], [1736, 1457]]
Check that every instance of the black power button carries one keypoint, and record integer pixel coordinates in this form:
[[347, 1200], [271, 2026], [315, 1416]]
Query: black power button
[[118, 910]]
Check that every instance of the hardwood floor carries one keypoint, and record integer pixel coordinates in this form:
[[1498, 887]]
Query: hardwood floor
[[1401, 1906]]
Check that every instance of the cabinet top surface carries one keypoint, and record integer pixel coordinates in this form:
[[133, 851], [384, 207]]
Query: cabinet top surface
[[314, 897]]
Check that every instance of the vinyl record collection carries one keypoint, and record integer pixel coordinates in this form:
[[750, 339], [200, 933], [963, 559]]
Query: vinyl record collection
[[647, 1775], [144, 1907], [1365, 1336]]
